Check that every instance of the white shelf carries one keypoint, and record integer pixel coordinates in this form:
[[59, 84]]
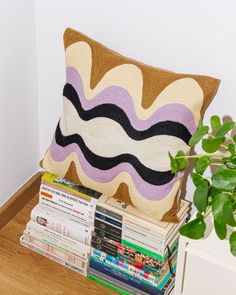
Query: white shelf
[[205, 266]]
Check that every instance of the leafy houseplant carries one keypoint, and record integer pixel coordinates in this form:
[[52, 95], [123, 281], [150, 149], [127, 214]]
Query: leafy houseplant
[[216, 194]]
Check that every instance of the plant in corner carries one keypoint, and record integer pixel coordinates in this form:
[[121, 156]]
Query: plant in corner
[[216, 194]]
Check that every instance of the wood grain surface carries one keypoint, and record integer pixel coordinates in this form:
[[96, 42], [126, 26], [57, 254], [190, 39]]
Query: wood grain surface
[[23, 272]]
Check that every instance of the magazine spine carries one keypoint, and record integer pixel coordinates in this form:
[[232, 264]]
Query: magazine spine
[[81, 270]]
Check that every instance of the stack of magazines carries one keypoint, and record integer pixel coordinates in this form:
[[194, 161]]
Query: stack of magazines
[[61, 224], [109, 241], [132, 252]]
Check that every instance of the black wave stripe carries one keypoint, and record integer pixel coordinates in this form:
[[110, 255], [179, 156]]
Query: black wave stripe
[[105, 163], [115, 113]]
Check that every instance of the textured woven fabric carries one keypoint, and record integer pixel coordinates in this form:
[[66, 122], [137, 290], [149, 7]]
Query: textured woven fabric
[[120, 119]]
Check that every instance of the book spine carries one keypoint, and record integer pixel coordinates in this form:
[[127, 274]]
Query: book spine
[[103, 234], [107, 219], [128, 279], [62, 223], [57, 201], [71, 188], [125, 223], [160, 250], [132, 234], [83, 202], [129, 230], [108, 227], [81, 270], [125, 247], [63, 255], [57, 240], [141, 247], [114, 282], [108, 284], [143, 228], [126, 267]]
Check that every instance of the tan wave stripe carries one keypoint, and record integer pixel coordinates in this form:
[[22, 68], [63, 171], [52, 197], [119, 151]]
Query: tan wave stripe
[[154, 79], [154, 208], [185, 91]]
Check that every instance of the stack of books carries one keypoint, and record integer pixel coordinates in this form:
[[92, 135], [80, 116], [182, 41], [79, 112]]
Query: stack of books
[[62, 223], [132, 252], [107, 240]]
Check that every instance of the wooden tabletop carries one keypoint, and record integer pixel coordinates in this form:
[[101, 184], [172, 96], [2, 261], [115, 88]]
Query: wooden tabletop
[[23, 272]]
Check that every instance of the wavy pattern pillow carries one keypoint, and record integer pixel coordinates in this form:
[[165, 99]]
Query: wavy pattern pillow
[[120, 119]]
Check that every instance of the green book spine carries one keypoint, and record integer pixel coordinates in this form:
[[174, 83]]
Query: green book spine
[[148, 252], [108, 285]]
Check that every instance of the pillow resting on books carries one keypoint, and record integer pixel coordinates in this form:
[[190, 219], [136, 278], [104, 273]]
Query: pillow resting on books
[[120, 119]]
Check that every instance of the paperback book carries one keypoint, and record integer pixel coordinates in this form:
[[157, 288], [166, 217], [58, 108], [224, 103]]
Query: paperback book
[[62, 223], [81, 270], [57, 240]]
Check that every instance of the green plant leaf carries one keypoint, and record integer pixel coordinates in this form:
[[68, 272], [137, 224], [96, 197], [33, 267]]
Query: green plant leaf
[[200, 196], [211, 145], [231, 148], [201, 164], [201, 131], [181, 162], [234, 138], [233, 160], [232, 241], [195, 229], [224, 129], [214, 192], [215, 122], [217, 207], [229, 174], [197, 179], [228, 213], [224, 179], [173, 163], [221, 230]]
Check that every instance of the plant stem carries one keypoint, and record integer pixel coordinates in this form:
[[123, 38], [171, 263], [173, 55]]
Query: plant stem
[[219, 156]]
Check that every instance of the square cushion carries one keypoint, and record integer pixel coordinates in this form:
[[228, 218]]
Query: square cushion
[[120, 119]]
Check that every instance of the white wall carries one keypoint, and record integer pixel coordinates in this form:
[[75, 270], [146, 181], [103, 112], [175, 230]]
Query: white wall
[[19, 141], [184, 36]]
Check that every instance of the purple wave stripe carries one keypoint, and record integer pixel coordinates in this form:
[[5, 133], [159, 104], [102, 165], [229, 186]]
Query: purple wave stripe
[[119, 96], [149, 191]]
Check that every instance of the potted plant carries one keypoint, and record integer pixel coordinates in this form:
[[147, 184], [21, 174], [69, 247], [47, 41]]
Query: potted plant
[[216, 194]]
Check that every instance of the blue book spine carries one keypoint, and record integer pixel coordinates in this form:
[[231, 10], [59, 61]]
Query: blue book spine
[[123, 277], [108, 219]]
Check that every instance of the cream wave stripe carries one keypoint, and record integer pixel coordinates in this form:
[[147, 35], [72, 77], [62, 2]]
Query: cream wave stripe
[[120, 99], [145, 187], [129, 77], [110, 188], [69, 143], [106, 138]]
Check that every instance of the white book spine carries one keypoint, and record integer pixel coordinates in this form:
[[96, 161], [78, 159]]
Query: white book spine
[[57, 240], [144, 243], [133, 236], [81, 270], [62, 223], [63, 255], [56, 201], [143, 228]]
